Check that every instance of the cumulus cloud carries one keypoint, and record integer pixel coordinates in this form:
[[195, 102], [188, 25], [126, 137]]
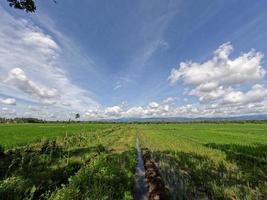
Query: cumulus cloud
[[153, 105], [256, 94], [152, 109], [8, 101], [136, 111], [208, 95], [221, 69], [234, 103], [232, 106], [92, 114], [220, 78], [114, 111], [19, 79]]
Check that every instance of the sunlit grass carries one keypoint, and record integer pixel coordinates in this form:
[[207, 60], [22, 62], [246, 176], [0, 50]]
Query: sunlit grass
[[217, 161], [13, 135]]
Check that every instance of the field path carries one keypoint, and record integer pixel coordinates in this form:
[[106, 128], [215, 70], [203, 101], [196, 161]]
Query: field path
[[140, 189]]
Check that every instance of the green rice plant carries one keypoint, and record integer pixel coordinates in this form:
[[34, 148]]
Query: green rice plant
[[107, 177], [47, 166], [14, 135], [97, 161], [210, 161]]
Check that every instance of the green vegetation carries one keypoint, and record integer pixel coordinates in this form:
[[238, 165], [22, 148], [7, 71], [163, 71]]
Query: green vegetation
[[85, 165], [217, 161], [13, 135], [97, 161]]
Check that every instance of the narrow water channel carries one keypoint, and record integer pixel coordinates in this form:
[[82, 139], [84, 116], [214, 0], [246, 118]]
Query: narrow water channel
[[140, 189]]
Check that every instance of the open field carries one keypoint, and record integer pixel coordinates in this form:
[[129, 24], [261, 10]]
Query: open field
[[97, 161], [95, 164], [13, 135], [215, 161]]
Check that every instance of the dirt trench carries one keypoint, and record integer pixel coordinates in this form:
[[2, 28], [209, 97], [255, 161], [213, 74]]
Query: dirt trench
[[155, 185]]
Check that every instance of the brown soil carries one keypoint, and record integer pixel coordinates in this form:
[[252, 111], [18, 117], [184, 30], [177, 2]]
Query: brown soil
[[155, 184]]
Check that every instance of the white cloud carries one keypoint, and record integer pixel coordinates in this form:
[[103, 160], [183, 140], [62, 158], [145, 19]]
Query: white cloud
[[163, 44], [66, 104], [34, 108], [241, 105], [135, 112], [43, 42], [256, 94], [169, 100], [8, 101], [32, 67], [7, 112], [152, 109], [114, 111], [19, 79], [92, 114], [223, 52], [208, 95], [153, 105], [4, 109], [221, 69], [224, 86], [117, 86], [220, 78], [48, 102]]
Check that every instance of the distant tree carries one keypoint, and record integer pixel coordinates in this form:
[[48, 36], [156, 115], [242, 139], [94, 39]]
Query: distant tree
[[27, 5], [77, 116]]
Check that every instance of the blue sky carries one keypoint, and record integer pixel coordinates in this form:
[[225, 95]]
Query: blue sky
[[118, 58]]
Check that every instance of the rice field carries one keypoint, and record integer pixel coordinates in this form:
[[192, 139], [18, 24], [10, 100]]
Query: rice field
[[210, 161], [13, 135], [98, 161]]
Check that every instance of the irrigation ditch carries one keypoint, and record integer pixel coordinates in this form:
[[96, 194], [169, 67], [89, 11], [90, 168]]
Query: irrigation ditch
[[149, 184], [140, 189]]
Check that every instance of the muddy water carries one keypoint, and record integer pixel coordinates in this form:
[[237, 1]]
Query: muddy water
[[140, 189]]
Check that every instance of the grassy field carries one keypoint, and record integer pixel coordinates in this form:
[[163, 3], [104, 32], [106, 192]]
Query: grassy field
[[97, 161], [13, 135], [95, 164], [216, 161]]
